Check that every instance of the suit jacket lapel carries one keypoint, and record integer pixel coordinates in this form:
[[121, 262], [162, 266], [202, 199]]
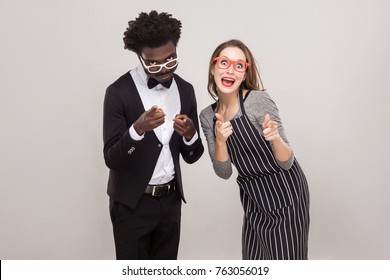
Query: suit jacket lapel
[[183, 100]]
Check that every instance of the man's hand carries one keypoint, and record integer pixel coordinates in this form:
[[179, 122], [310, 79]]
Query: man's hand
[[184, 126], [149, 120]]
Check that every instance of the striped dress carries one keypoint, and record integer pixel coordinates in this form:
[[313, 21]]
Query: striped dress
[[275, 200]]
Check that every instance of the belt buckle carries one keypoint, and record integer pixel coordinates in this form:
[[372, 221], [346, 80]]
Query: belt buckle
[[163, 192], [168, 189], [154, 191]]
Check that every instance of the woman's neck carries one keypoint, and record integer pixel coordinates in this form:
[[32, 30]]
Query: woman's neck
[[228, 106]]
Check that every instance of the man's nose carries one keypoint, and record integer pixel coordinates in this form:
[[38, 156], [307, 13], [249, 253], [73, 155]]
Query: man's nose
[[164, 69]]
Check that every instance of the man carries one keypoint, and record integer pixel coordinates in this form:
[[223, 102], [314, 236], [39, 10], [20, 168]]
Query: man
[[150, 118]]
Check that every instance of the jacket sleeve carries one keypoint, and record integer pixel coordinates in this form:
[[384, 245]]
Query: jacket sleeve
[[120, 150], [191, 153]]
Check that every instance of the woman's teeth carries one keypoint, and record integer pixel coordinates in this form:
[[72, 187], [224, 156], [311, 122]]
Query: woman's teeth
[[227, 82]]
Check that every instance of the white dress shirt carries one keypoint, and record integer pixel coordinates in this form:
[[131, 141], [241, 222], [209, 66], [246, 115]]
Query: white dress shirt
[[168, 100]]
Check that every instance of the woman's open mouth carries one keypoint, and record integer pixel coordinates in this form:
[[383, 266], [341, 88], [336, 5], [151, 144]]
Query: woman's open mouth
[[227, 82]]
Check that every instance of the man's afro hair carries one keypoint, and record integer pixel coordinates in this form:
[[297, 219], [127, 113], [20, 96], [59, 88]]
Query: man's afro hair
[[151, 30]]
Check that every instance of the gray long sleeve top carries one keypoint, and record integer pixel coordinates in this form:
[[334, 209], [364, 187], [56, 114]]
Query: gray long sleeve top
[[257, 104]]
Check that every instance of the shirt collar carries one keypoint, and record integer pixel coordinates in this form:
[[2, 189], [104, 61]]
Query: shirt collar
[[142, 74]]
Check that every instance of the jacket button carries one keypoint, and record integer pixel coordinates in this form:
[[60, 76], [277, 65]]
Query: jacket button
[[159, 145]]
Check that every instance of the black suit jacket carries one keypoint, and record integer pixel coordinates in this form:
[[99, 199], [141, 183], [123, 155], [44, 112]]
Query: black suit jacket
[[132, 163]]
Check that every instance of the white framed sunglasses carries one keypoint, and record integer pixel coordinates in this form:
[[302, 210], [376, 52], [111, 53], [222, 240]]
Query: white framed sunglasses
[[155, 68]]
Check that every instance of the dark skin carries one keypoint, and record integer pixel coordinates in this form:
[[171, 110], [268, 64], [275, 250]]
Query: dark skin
[[154, 117]]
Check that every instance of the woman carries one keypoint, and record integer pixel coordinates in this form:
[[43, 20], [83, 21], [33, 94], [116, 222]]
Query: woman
[[243, 128]]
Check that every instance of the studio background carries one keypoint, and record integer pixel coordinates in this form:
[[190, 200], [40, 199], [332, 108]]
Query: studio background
[[325, 64]]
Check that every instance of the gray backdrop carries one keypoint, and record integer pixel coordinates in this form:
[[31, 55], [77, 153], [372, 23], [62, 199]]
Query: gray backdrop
[[325, 63]]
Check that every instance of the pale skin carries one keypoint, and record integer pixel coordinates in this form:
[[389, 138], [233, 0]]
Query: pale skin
[[228, 107]]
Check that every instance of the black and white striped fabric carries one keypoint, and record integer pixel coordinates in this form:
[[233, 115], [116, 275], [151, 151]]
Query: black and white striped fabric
[[275, 201]]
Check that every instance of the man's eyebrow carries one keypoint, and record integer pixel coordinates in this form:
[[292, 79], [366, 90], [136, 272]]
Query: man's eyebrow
[[170, 55]]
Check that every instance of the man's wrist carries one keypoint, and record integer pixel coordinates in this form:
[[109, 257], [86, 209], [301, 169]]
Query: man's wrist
[[134, 134], [139, 131], [192, 140]]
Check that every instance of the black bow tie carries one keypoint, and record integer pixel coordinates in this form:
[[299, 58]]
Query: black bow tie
[[152, 83]]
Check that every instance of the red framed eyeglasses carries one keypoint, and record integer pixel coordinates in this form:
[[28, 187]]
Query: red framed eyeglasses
[[224, 63]]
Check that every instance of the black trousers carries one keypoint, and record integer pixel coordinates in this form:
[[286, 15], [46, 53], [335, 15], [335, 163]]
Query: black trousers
[[151, 231]]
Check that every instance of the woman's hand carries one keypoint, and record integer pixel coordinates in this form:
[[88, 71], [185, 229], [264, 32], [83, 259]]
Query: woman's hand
[[223, 129], [282, 151], [270, 129]]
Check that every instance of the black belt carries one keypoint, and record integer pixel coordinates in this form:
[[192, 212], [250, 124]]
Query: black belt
[[160, 190]]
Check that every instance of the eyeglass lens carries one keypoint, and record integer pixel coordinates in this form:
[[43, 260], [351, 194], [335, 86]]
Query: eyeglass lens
[[224, 63], [158, 67]]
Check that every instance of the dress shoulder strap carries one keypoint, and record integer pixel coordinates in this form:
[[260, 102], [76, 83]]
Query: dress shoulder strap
[[242, 100]]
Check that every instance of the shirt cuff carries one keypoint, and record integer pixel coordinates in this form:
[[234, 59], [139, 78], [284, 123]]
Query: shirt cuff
[[134, 135], [192, 141]]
